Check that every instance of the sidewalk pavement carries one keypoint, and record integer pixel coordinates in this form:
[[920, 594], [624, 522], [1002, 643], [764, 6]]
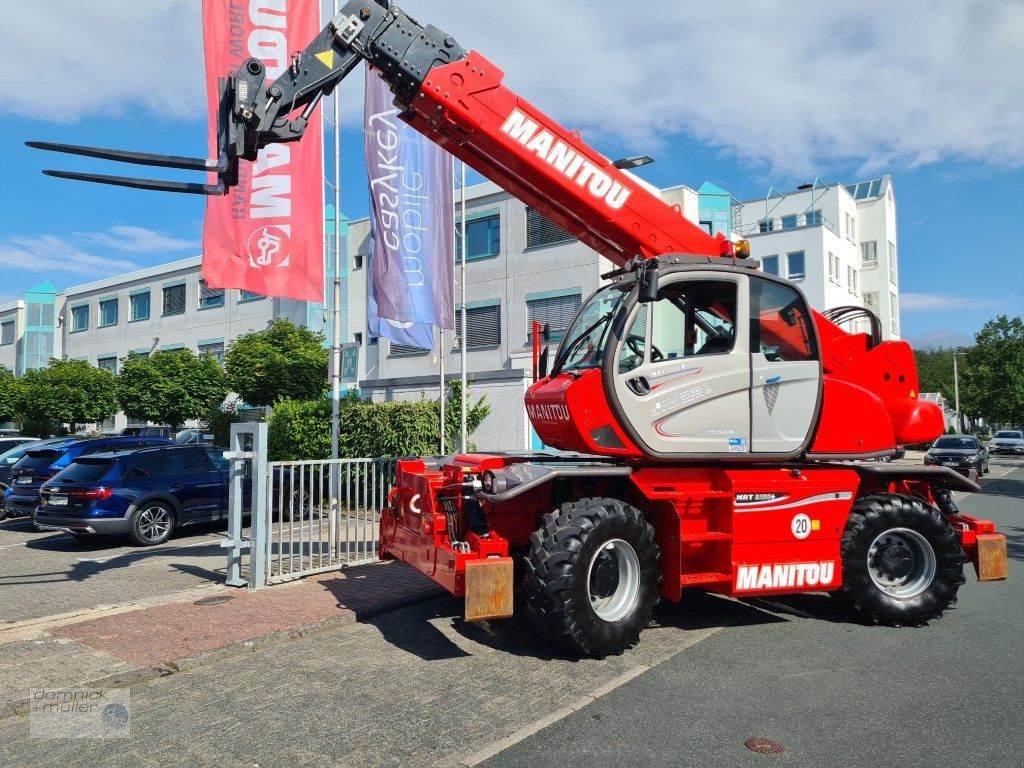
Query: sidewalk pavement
[[121, 648]]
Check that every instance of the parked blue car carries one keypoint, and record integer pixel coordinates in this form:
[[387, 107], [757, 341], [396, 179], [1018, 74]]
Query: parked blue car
[[146, 494], [40, 464]]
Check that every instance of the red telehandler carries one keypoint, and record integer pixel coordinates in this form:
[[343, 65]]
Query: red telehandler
[[712, 429]]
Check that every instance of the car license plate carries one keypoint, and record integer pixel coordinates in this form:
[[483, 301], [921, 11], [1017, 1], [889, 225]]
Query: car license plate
[[24, 480], [58, 501]]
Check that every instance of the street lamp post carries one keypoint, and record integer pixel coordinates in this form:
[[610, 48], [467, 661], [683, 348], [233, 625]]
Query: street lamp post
[[956, 392]]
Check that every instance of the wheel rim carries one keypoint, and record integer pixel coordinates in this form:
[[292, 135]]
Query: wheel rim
[[901, 562], [154, 523], [613, 580]]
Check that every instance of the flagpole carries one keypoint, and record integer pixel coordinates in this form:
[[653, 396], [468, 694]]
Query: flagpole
[[462, 282], [336, 311], [442, 350]]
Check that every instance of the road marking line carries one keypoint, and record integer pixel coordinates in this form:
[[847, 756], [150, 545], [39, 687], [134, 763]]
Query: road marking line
[[499, 746]]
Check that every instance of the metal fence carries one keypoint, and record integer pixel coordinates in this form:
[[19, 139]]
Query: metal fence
[[306, 516], [312, 529]]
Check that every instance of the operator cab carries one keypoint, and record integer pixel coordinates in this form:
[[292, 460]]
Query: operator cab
[[723, 363]]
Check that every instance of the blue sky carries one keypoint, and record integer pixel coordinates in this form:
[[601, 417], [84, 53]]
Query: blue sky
[[842, 95]]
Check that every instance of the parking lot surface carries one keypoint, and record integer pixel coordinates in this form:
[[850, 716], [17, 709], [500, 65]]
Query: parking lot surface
[[46, 573], [417, 686]]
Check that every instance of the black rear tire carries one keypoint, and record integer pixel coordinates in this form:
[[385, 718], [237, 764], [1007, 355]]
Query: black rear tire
[[592, 555], [882, 531], [151, 524]]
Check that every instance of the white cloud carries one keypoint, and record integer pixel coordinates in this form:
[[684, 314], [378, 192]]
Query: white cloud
[[941, 302], [64, 59], [798, 87], [138, 240], [47, 253]]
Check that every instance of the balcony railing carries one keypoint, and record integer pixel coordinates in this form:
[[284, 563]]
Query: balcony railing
[[789, 223]]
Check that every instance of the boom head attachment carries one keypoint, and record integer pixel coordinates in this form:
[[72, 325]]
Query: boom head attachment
[[254, 112]]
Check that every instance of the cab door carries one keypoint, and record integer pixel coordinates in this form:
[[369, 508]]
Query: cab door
[[683, 366], [786, 371]]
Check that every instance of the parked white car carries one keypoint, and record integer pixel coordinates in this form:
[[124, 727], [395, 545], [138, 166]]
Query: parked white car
[[1007, 441]]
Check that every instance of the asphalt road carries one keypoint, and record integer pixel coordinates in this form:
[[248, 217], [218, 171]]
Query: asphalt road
[[831, 691], [45, 574]]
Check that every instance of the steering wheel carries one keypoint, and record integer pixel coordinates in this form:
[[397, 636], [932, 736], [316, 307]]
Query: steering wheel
[[636, 343]]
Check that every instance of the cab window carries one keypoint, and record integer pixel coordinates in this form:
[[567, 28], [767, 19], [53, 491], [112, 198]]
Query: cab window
[[694, 318], [633, 345], [780, 323]]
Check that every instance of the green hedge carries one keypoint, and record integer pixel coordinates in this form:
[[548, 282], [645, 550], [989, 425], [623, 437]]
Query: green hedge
[[302, 429]]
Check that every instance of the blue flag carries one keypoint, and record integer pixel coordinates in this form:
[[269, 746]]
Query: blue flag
[[411, 269]]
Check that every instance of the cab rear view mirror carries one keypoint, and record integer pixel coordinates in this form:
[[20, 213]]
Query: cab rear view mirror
[[648, 283]]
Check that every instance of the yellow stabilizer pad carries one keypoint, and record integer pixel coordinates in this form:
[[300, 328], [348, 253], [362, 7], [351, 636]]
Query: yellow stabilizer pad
[[489, 588], [991, 561]]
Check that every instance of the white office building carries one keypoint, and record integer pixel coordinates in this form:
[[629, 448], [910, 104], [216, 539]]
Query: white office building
[[839, 241]]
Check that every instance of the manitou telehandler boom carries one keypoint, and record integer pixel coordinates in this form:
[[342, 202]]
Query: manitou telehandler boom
[[709, 423]]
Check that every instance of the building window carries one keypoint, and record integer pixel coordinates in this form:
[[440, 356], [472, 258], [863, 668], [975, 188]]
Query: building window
[[892, 263], [7, 333], [871, 302], [108, 313], [540, 230], [80, 318], [214, 348], [869, 254], [483, 326], [833, 268], [139, 306], [789, 222], [244, 296], [174, 300], [210, 298], [813, 218], [894, 312], [766, 225], [357, 338], [484, 238], [107, 364], [554, 311], [770, 264], [851, 280], [357, 261], [851, 228], [795, 265]]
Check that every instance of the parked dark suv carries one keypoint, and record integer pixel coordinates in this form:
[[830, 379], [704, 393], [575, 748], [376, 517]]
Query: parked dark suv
[[40, 464], [146, 494]]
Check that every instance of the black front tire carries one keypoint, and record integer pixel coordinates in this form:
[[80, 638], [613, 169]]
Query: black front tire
[[872, 519], [560, 577]]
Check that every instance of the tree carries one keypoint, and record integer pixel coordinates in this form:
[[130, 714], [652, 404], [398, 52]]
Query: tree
[[8, 390], [935, 371], [992, 373], [284, 362], [67, 392], [170, 387]]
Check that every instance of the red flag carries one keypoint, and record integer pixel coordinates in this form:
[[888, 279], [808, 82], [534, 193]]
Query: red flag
[[266, 236]]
